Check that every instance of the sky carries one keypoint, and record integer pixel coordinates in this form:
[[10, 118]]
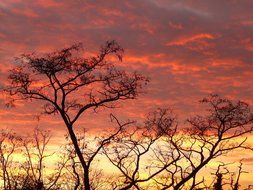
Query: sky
[[188, 49]]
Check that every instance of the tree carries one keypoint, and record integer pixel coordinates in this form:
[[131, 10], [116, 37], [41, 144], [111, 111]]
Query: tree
[[9, 143], [207, 138], [173, 156], [23, 162], [219, 177], [130, 150], [235, 183], [69, 85], [35, 148]]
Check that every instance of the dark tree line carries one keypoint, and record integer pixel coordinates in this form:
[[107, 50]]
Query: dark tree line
[[157, 154]]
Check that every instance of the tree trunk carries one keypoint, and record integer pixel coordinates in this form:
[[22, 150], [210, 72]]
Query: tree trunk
[[218, 184], [81, 158], [86, 179]]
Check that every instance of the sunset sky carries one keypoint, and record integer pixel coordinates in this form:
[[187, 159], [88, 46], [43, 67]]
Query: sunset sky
[[188, 49]]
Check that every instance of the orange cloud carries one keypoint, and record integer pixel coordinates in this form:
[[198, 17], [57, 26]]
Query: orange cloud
[[189, 39]]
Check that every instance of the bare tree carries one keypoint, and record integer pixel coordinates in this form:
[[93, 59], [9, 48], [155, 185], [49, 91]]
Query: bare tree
[[23, 161], [175, 154], [225, 178], [35, 153], [130, 149], [69, 84], [235, 180], [208, 137], [219, 183], [9, 144]]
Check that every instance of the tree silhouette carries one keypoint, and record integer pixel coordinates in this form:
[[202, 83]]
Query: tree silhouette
[[9, 143], [208, 137], [177, 154], [129, 149], [23, 162], [235, 185], [69, 84], [35, 148]]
